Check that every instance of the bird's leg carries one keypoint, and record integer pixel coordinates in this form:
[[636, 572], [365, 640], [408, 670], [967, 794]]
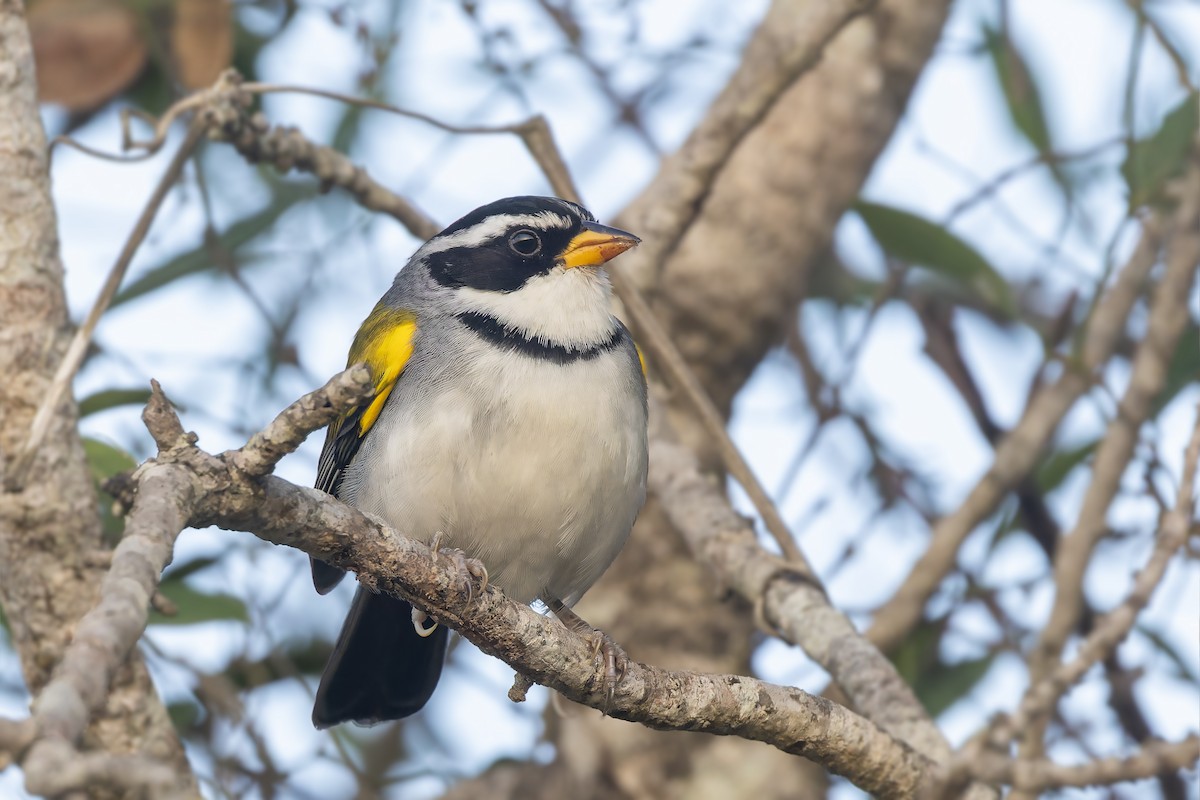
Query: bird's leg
[[614, 659], [467, 568]]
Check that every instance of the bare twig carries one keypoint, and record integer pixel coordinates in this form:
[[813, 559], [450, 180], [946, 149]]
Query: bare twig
[[1043, 694], [1037, 776], [1182, 71], [1020, 450], [1167, 320], [227, 118], [665, 355], [73, 358], [1004, 176], [1113, 627], [286, 432]]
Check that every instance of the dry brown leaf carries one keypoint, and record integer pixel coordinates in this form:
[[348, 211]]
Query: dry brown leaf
[[86, 50], [201, 40]]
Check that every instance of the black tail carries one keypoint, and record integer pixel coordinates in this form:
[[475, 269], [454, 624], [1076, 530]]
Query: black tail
[[380, 669]]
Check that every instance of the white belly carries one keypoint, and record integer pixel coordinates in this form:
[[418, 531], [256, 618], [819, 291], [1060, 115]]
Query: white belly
[[536, 468]]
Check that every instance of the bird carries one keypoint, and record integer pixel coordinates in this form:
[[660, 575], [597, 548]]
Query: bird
[[508, 421]]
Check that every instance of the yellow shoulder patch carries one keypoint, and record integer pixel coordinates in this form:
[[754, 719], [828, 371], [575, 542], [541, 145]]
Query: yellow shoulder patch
[[641, 360], [384, 343]]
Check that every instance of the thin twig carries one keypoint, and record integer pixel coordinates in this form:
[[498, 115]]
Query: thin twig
[[1004, 176], [1112, 629], [1038, 776], [1168, 319], [1018, 452], [1042, 695], [665, 355], [1182, 71], [83, 336]]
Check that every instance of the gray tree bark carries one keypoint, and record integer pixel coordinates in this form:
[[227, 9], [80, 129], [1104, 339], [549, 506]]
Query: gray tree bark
[[49, 526]]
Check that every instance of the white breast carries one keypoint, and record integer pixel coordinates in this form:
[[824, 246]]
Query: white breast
[[535, 467]]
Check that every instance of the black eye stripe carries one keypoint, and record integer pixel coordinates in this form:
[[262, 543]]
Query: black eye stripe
[[495, 264]]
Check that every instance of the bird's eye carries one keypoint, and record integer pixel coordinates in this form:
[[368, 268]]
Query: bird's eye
[[525, 243]]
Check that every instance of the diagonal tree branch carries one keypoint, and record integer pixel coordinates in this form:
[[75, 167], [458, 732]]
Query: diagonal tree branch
[[76, 351], [185, 486], [793, 602]]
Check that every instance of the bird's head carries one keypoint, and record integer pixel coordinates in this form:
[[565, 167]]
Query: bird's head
[[504, 245]]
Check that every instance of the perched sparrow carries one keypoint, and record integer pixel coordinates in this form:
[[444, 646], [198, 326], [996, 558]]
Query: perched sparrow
[[509, 416]]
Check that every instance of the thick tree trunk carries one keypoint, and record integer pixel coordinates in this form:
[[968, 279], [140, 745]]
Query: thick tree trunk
[[733, 284], [49, 526]]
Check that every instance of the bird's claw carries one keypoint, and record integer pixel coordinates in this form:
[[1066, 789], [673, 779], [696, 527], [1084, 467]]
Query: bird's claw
[[614, 661], [468, 569], [419, 618]]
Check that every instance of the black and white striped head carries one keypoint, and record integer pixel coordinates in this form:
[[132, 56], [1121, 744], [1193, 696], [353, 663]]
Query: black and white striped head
[[501, 246]]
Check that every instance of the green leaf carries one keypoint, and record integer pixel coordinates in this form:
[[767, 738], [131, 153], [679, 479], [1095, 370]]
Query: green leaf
[[1020, 89], [919, 650], [200, 259], [182, 571], [1152, 161], [112, 398], [945, 684], [1184, 369], [938, 685], [1055, 467], [196, 606], [920, 242], [106, 460], [185, 715], [1024, 101]]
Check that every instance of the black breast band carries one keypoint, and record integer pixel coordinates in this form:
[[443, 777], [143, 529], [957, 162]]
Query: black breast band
[[499, 334]]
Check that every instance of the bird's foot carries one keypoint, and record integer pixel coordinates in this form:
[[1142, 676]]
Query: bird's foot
[[469, 569], [614, 661]]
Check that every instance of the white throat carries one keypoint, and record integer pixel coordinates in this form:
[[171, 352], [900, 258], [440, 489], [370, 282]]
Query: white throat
[[569, 307]]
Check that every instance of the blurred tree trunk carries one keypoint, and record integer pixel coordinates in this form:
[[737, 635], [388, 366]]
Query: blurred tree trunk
[[728, 294], [49, 527]]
